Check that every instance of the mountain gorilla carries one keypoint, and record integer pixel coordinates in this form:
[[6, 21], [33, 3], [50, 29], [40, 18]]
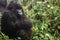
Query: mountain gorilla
[[14, 22]]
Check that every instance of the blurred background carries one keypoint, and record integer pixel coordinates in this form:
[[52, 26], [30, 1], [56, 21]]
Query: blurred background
[[45, 17]]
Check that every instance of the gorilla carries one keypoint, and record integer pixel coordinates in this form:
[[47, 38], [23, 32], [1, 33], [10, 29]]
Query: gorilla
[[14, 22]]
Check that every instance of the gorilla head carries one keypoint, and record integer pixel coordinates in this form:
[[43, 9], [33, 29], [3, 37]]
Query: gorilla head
[[13, 6]]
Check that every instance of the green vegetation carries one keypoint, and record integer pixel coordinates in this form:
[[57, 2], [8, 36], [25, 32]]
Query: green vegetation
[[45, 17]]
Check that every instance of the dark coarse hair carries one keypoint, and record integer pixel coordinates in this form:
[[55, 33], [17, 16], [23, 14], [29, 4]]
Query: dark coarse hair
[[3, 3], [14, 5], [15, 25]]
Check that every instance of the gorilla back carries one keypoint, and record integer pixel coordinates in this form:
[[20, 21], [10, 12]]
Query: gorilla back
[[14, 22]]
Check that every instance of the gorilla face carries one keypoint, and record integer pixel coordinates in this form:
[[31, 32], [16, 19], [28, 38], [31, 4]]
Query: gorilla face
[[16, 7]]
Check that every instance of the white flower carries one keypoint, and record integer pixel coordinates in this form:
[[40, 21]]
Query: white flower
[[48, 5], [39, 2], [52, 7], [47, 34]]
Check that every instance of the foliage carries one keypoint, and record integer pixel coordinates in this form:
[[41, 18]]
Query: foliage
[[45, 17]]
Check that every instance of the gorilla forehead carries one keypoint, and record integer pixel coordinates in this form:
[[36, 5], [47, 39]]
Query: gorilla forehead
[[13, 5]]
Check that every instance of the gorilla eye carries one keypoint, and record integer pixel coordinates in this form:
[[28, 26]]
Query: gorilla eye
[[20, 12]]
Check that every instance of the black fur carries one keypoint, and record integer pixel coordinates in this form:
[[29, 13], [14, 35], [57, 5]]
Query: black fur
[[3, 3], [14, 24]]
